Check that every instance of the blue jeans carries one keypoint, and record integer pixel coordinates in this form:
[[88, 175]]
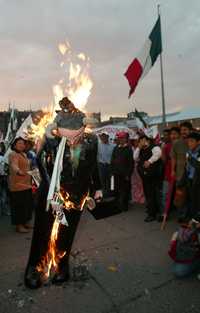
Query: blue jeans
[[183, 270]]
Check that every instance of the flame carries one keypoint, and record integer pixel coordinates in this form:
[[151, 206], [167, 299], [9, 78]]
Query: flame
[[62, 48], [65, 198], [58, 95], [78, 89], [52, 256], [37, 131], [81, 56], [68, 204], [79, 84]]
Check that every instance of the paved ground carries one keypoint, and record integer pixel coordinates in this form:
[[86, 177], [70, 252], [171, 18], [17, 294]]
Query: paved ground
[[119, 265]]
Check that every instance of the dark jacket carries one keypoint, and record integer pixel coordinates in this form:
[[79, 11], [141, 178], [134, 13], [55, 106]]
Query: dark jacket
[[122, 162], [76, 181], [155, 169]]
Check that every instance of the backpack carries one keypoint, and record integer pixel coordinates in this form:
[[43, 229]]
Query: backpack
[[186, 248]]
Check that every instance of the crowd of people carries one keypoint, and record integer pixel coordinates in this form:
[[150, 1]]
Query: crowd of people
[[164, 176]]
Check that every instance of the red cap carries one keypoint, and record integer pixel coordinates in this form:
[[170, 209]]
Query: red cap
[[122, 135]]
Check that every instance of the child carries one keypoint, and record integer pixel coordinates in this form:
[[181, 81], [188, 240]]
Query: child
[[185, 249]]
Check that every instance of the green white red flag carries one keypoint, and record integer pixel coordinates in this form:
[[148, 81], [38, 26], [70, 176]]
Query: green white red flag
[[146, 58]]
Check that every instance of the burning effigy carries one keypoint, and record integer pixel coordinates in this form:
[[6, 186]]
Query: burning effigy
[[69, 179]]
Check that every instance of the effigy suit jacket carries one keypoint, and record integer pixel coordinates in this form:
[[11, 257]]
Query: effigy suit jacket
[[80, 171]]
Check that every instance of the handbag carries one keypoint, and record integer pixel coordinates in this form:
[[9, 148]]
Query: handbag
[[105, 208]]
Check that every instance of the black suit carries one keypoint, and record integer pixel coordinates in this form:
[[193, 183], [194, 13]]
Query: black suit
[[76, 182]]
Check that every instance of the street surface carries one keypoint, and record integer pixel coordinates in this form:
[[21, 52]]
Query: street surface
[[119, 265]]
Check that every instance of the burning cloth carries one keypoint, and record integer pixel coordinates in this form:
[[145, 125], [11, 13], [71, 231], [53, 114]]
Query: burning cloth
[[68, 167]]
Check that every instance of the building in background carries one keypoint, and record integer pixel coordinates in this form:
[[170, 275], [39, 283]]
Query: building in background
[[131, 120], [173, 119]]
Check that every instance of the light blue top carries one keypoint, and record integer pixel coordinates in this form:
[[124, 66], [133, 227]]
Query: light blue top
[[105, 152]]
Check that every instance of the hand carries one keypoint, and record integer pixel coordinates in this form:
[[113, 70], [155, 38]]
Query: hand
[[98, 195], [147, 164]]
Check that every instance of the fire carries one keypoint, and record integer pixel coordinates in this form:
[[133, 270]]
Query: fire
[[81, 56], [50, 261], [78, 89], [52, 246], [58, 95], [53, 256], [37, 131], [63, 47], [65, 198], [79, 84], [68, 204]]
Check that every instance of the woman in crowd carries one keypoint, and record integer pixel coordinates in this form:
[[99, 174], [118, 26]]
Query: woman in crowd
[[20, 186]]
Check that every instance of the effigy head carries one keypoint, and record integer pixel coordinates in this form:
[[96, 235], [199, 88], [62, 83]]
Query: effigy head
[[66, 105]]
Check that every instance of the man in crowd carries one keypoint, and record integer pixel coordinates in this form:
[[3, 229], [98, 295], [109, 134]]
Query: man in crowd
[[191, 177], [168, 183], [105, 150], [166, 136], [122, 167], [179, 150], [150, 170]]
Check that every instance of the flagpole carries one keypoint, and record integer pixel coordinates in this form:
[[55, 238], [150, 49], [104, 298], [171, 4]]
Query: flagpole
[[162, 78]]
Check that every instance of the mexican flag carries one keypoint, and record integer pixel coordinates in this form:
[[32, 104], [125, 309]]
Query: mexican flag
[[146, 58]]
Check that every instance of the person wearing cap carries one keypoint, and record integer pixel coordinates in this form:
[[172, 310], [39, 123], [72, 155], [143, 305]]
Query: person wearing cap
[[191, 176], [105, 150], [79, 176], [20, 186], [122, 165]]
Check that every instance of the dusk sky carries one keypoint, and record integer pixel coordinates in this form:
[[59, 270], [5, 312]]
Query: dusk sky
[[111, 33]]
